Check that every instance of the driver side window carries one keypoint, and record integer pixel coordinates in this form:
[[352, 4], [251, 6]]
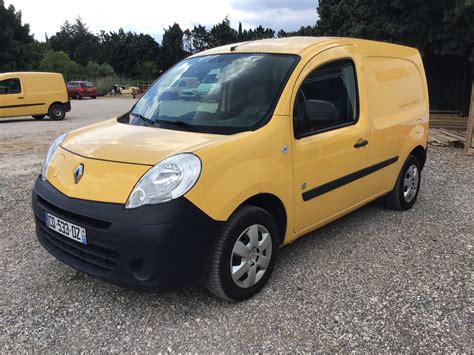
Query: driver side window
[[327, 99], [10, 86]]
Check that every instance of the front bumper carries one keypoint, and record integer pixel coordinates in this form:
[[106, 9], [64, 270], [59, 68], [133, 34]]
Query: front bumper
[[152, 247]]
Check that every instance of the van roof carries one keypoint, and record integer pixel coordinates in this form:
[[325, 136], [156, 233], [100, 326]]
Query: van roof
[[29, 73], [309, 45]]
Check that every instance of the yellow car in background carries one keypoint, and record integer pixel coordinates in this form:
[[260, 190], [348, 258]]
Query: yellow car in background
[[33, 94], [204, 191]]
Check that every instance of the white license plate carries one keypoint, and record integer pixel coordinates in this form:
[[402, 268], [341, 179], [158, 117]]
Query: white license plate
[[65, 228]]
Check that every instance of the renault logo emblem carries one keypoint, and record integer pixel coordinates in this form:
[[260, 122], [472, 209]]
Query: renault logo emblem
[[78, 172]]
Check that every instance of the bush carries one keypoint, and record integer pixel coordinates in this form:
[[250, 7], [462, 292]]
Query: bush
[[59, 62]]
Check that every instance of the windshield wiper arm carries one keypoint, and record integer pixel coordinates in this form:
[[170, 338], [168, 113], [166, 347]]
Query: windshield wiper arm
[[143, 118], [182, 124]]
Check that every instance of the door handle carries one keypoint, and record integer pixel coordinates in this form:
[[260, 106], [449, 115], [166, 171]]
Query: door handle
[[360, 143], [20, 97]]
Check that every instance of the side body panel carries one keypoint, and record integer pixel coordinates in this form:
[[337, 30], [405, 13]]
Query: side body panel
[[399, 113], [42, 91]]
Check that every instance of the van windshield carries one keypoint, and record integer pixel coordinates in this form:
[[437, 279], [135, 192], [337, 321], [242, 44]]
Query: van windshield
[[222, 94]]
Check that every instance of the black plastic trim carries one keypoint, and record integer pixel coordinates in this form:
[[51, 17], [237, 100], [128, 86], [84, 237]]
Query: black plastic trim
[[320, 190], [156, 247], [23, 105]]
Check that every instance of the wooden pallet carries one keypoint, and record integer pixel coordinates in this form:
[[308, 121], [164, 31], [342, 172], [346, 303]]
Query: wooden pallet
[[446, 138], [448, 121]]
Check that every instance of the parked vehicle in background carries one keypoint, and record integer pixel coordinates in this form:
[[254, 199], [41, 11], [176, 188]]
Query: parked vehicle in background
[[33, 94], [80, 89], [119, 89], [210, 85], [181, 89]]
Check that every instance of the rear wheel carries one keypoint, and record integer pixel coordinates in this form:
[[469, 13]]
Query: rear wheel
[[38, 117], [244, 255], [407, 187], [93, 97], [57, 112], [77, 96]]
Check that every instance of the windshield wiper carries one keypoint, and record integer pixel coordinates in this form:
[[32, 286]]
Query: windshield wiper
[[182, 124], [143, 118]]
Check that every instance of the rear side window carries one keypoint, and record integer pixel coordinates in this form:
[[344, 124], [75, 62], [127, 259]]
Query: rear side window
[[72, 85], [331, 89], [10, 86]]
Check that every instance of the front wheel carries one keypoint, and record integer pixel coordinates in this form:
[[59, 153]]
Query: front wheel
[[244, 255], [77, 96], [407, 187], [56, 112]]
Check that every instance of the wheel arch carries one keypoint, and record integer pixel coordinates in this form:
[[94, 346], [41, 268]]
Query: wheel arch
[[55, 103], [273, 205], [420, 153]]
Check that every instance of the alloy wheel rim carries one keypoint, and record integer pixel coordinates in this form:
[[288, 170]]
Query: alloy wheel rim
[[410, 183], [251, 256]]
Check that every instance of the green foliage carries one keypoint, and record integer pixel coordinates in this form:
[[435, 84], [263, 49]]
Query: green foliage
[[126, 51], [38, 51], [15, 40], [440, 27], [172, 47], [146, 71], [77, 41], [197, 40], [222, 34], [59, 62]]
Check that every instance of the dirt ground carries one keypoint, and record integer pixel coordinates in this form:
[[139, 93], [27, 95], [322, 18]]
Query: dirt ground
[[25, 141], [374, 281]]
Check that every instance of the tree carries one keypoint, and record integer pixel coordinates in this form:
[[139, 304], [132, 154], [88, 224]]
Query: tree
[[77, 41], [197, 40], [146, 71], [222, 34], [15, 40], [125, 51], [59, 62], [441, 27], [172, 47]]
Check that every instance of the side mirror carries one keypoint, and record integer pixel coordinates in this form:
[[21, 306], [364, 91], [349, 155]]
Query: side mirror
[[320, 113]]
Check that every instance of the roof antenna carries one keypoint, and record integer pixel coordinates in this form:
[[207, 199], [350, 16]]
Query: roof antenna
[[233, 48]]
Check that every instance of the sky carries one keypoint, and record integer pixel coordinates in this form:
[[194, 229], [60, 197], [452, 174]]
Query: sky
[[151, 17]]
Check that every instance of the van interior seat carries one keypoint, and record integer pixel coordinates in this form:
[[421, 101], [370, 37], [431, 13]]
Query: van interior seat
[[256, 101]]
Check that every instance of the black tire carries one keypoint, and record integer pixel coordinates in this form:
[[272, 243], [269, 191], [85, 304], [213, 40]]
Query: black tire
[[38, 117], [396, 199], [219, 280], [93, 97], [77, 96], [57, 112]]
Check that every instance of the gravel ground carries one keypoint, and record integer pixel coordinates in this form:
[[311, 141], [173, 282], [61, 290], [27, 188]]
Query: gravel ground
[[375, 280]]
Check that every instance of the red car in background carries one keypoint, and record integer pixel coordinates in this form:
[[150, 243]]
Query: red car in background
[[80, 89]]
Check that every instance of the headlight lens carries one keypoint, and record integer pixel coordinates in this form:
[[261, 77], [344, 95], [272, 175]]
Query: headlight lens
[[56, 143], [167, 180]]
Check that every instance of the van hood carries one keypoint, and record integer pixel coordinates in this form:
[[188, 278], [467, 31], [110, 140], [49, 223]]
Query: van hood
[[118, 142]]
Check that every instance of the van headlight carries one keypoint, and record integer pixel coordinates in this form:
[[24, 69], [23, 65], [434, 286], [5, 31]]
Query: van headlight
[[167, 180], [54, 146]]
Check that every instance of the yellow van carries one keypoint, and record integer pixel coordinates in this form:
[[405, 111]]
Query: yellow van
[[299, 132], [33, 94]]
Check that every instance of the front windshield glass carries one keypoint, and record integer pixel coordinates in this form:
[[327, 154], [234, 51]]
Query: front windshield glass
[[224, 94]]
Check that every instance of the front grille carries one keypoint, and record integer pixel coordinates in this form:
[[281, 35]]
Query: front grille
[[83, 220], [90, 258]]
